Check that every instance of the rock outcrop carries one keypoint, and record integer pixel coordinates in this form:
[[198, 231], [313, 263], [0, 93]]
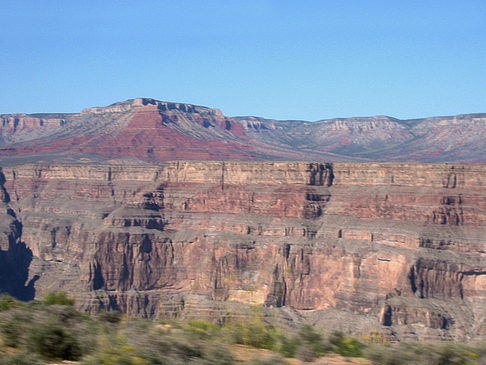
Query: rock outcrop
[[395, 247]]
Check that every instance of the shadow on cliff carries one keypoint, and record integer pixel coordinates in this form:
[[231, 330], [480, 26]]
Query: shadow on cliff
[[16, 260], [14, 272], [14, 267]]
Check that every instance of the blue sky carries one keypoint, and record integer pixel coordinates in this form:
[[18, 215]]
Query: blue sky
[[277, 59]]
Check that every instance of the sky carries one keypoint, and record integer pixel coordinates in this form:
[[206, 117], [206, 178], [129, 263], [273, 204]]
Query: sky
[[281, 59]]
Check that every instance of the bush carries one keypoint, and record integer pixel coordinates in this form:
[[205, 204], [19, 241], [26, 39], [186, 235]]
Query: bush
[[308, 334], [11, 333], [140, 342], [7, 302], [112, 317], [46, 330], [13, 327], [351, 348], [449, 354], [412, 353], [388, 355], [311, 340], [54, 332], [288, 346], [116, 354], [58, 298], [253, 333], [346, 346], [53, 341], [203, 329], [376, 338]]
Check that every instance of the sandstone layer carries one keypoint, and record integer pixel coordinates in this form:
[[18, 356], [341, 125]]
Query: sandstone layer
[[395, 247]]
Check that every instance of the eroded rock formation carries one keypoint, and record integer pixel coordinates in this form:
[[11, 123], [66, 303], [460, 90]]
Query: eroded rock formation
[[394, 247]]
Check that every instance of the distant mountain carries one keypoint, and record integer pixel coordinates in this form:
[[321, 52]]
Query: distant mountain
[[152, 131]]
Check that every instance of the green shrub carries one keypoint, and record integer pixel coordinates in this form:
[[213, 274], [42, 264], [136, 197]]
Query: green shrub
[[140, 342], [56, 332], [288, 346], [11, 333], [61, 332], [346, 346], [253, 333], [308, 334], [202, 329], [388, 355], [52, 329], [112, 317], [58, 298], [54, 341], [413, 353], [351, 348], [203, 325], [116, 354], [13, 327], [311, 341], [158, 347], [8, 302], [450, 354]]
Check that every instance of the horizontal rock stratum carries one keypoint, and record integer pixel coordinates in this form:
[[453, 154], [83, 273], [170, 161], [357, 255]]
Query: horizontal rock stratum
[[148, 130], [394, 247]]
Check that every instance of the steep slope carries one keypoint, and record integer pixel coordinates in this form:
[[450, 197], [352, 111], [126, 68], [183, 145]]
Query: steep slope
[[395, 247], [148, 130]]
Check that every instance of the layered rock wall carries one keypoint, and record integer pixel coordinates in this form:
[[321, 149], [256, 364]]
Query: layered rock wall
[[397, 248]]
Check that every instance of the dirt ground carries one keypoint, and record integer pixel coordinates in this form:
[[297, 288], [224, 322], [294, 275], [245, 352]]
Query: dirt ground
[[243, 353]]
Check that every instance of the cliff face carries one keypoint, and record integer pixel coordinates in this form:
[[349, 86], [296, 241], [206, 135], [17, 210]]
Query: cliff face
[[395, 247]]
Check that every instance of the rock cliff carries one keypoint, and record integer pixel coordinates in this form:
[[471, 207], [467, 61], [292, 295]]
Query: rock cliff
[[393, 247]]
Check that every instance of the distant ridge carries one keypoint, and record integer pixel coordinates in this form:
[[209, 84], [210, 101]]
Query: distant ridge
[[154, 131]]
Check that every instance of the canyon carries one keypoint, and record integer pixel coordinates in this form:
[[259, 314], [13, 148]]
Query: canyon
[[172, 210], [396, 247]]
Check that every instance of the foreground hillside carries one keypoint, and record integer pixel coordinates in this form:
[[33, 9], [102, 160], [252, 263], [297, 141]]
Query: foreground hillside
[[397, 248], [154, 131], [51, 331]]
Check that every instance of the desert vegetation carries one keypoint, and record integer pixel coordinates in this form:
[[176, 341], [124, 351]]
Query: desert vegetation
[[50, 330]]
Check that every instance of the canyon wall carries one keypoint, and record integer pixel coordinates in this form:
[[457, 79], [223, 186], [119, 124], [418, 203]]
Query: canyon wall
[[393, 247]]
